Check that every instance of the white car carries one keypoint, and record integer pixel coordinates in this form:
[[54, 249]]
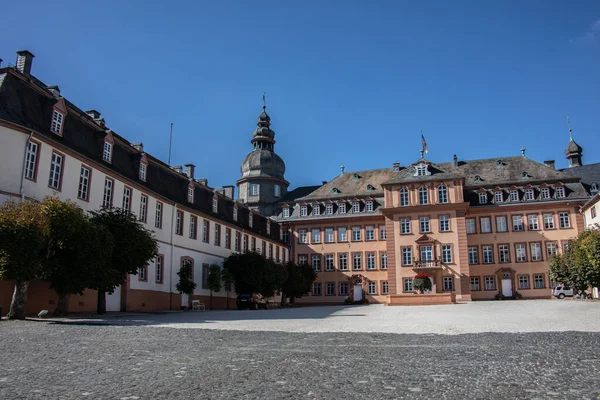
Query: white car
[[562, 291]]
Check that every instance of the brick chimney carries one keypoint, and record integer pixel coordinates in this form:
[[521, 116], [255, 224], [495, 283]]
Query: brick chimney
[[550, 164], [189, 170], [24, 61], [139, 146], [455, 159], [55, 91], [396, 166], [227, 191], [202, 181]]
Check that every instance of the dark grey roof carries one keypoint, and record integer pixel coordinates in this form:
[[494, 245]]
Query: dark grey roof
[[26, 105], [573, 148], [587, 173], [263, 163], [352, 184], [297, 193]]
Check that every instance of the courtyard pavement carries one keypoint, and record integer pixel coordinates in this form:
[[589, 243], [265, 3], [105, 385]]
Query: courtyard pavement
[[485, 350]]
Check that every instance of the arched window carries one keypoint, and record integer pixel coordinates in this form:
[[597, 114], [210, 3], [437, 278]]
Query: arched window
[[423, 195], [404, 197], [442, 194]]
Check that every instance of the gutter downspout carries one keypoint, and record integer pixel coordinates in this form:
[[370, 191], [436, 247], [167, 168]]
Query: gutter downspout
[[171, 268], [21, 189]]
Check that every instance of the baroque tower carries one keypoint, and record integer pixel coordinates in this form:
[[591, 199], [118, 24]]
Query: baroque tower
[[573, 150], [263, 184]]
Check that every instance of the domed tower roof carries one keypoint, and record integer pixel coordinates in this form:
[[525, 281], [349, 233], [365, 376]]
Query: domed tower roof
[[263, 163], [573, 150]]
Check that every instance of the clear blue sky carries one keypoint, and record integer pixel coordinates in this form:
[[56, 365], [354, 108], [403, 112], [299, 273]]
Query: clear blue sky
[[349, 82]]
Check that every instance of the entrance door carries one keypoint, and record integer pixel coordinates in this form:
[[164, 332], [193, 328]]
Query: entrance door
[[184, 300], [357, 293], [432, 283], [113, 301], [507, 287]]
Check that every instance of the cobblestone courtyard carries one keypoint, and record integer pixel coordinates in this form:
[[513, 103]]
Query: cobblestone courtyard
[[479, 350]]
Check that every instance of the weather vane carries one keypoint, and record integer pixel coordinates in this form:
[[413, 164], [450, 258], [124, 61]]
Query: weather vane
[[264, 100], [570, 129]]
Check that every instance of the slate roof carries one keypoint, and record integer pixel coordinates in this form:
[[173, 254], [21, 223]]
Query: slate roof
[[588, 173], [352, 184], [298, 192], [26, 102]]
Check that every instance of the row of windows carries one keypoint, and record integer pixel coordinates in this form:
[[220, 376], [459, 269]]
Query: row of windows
[[518, 223], [317, 209], [489, 282], [427, 253], [447, 284], [254, 190], [327, 262], [529, 194], [425, 224], [504, 253], [329, 234], [329, 288], [159, 272], [423, 196]]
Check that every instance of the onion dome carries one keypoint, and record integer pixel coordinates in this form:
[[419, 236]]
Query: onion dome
[[263, 163]]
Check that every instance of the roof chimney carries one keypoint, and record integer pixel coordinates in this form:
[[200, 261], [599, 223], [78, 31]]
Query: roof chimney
[[177, 168], [95, 114], [24, 61], [189, 170], [55, 90], [550, 164], [139, 146], [455, 161], [227, 191], [202, 181], [323, 182], [396, 166], [342, 168]]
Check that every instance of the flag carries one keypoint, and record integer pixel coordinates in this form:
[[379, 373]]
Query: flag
[[423, 143]]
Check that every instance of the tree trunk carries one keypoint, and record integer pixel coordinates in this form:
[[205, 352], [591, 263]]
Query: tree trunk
[[282, 299], [228, 300], [211, 300], [19, 299], [101, 306], [62, 306]]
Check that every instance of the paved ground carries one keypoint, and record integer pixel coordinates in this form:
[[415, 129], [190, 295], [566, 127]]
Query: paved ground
[[304, 353]]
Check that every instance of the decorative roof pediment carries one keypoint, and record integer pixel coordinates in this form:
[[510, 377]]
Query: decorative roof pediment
[[61, 106], [109, 137], [425, 239], [144, 159]]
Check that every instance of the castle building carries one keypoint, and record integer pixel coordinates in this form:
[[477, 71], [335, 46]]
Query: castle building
[[49, 146]]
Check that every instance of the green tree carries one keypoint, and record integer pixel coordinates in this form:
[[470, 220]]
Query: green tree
[[227, 280], [134, 247], [213, 281], [248, 271], [186, 284], [298, 281], [579, 265], [23, 232]]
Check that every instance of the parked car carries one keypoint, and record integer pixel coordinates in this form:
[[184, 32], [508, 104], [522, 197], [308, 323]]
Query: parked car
[[253, 301], [562, 291]]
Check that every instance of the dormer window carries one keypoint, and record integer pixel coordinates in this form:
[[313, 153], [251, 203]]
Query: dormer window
[[514, 195], [370, 188], [143, 168], [190, 194], [342, 208], [498, 197], [483, 198], [356, 207], [560, 192], [107, 152], [421, 170], [329, 209], [335, 190], [477, 178], [268, 227], [529, 194], [594, 187], [316, 209], [57, 122], [524, 175], [499, 163], [303, 211], [545, 193], [235, 213], [286, 212], [355, 176], [215, 204], [369, 206], [250, 220]]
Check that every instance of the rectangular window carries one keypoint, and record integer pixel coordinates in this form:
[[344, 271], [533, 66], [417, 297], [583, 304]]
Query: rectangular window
[[84, 183], [488, 254], [342, 235], [107, 151], [342, 208], [316, 291], [303, 211], [126, 199], [382, 232], [503, 253], [107, 195], [533, 222], [236, 241], [277, 191], [424, 225], [372, 288], [426, 253], [158, 273], [329, 209], [143, 274], [355, 233], [405, 226], [54, 181], [444, 223], [143, 208], [518, 223], [235, 213], [31, 160], [193, 225], [316, 262], [369, 206], [549, 221], [316, 235], [316, 209], [217, 238], [286, 212], [470, 225], [205, 231], [302, 259], [179, 223], [370, 232], [328, 262], [330, 289], [270, 251], [523, 281], [343, 289], [407, 256], [551, 249], [253, 244], [343, 261], [302, 236], [384, 287], [245, 243], [539, 281], [285, 236], [483, 198], [490, 283], [448, 283], [475, 283], [142, 173], [545, 192], [355, 207], [205, 272], [498, 197], [423, 196], [486, 224], [408, 284], [158, 215], [371, 261], [447, 254], [404, 197], [384, 260], [521, 252], [329, 237], [563, 218], [254, 189], [529, 194], [57, 121], [215, 209], [536, 251], [514, 195], [501, 225], [356, 261], [190, 194], [473, 256], [560, 192]]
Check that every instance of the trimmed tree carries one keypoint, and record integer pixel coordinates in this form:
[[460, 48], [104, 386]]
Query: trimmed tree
[[421, 283], [186, 284], [248, 271], [134, 247], [213, 281], [299, 280], [23, 231]]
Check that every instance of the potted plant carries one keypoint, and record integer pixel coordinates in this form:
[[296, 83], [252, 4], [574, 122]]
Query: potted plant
[[421, 283]]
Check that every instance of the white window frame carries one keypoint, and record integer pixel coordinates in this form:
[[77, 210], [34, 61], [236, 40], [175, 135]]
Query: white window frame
[[57, 122], [503, 253], [329, 262], [382, 232], [315, 235], [235, 213], [483, 199], [158, 272], [369, 232], [473, 255], [56, 165], [404, 197], [533, 220], [343, 261], [127, 195], [107, 151], [31, 160], [536, 251], [371, 260], [107, 196], [303, 211], [369, 206], [286, 212], [529, 194], [514, 195], [356, 234], [329, 209], [405, 226], [564, 220], [384, 260], [407, 285], [190, 194], [426, 252], [549, 221], [316, 209], [490, 283], [254, 189], [356, 261], [447, 254], [302, 236], [559, 192], [277, 191], [545, 193], [447, 283], [470, 225], [520, 252], [407, 256], [143, 208], [423, 196], [475, 284], [444, 223], [485, 224], [84, 183], [442, 194], [342, 208], [498, 196], [372, 288], [343, 289], [215, 205], [501, 226], [356, 207], [488, 254], [158, 215], [518, 226], [424, 225], [329, 235], [142, 172]]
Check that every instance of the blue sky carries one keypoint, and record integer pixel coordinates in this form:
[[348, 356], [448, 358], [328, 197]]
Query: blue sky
[[349, 82]]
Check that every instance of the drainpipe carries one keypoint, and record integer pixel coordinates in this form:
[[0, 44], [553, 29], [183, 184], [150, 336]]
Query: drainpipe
[[21, 189], [171, 268]]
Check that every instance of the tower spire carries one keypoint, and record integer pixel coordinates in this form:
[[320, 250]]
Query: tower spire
[[264, 101], [570, 129]]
